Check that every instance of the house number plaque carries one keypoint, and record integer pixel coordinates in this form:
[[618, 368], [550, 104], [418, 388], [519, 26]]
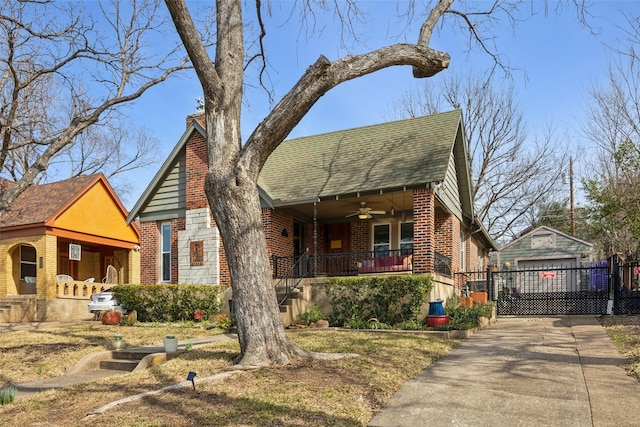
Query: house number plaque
[[196, 252]]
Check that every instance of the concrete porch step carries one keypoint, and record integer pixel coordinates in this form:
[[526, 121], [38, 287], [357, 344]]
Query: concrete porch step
[[119, 364], [133, 354], [17, 308]]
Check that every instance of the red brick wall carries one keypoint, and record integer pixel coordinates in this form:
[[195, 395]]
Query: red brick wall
[[274, 223], [196, 166], [455, 245], [443, 233], [149, 235], [423, 230], [360, 236], [150, 250]]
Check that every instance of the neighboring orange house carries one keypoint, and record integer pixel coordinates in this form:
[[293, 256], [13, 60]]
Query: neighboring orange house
[[56, 242]]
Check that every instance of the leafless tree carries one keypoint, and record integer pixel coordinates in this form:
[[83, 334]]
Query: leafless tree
[[612, 125], [511, 175], [231, 184], [66, 67]]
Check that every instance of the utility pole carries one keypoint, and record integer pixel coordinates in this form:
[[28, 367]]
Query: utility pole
[[573, 224]]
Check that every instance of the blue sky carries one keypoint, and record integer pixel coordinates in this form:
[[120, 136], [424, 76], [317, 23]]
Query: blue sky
[[555, 59]]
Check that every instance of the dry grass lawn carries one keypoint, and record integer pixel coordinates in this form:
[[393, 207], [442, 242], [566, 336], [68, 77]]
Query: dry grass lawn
[[625, 333], [345, 392]]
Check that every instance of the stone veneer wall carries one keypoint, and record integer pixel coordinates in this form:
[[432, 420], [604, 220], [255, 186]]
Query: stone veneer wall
[[198, 228]]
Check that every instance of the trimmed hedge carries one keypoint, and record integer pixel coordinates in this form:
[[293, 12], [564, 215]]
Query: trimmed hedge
[[169, 303], [388, 299]]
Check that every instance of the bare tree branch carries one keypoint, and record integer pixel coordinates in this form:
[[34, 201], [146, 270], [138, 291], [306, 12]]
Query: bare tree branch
[[63, 70]]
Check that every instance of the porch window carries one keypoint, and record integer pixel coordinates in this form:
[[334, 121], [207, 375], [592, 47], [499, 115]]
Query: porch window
[[27, 261], [165, 245], [381, 239], [406, 237]]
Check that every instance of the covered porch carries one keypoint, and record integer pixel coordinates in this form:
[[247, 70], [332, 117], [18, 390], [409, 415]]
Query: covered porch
[[403, 231]]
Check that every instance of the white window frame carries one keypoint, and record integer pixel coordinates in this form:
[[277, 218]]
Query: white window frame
[[400, 242], [373, 236], [165, 268]]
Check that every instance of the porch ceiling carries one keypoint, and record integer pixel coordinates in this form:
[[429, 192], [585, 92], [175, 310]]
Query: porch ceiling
[[336, 210]]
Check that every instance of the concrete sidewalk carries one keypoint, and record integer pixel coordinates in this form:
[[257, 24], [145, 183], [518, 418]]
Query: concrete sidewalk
[[551, 371]]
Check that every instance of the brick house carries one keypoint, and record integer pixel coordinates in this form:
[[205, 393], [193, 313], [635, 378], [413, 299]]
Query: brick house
[[57, 240], [393, 197]]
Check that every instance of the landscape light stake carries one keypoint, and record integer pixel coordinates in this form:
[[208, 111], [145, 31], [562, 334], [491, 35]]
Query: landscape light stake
[[191, 377]]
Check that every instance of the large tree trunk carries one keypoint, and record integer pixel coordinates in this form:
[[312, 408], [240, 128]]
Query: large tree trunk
[[231, 183], [235, 204]]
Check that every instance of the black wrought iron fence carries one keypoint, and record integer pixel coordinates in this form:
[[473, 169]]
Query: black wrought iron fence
[[344, 264], [626, 285], [552, 291]]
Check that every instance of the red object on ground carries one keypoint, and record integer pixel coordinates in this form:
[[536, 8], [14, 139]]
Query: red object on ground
[[437, 320], [111, 318]]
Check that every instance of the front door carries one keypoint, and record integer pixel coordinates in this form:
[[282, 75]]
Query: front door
[[338, 242]]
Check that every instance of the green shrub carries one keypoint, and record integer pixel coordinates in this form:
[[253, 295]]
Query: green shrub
[[312, 316], [467, 317], [7, 395], [169, 303], [224, 321], [411, 325], [388, 299]]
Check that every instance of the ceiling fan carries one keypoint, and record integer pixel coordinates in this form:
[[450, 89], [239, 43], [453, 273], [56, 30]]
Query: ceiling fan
[[364, 212]]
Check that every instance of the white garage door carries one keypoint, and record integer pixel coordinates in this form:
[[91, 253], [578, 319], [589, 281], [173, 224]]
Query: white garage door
[[550, 275]]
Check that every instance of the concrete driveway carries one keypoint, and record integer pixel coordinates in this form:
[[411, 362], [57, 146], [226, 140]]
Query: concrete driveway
[[551, 371]]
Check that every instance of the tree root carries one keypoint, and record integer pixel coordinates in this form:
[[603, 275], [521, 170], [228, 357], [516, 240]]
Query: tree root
[[322, 356], [139, 396]]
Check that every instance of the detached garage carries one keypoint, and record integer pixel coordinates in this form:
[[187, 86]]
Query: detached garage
[[543, 248], [547, 272], [546, 260]]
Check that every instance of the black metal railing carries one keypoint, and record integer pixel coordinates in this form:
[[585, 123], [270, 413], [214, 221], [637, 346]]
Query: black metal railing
[[442, 264], [468, 282], [343, 264], [289, 281]]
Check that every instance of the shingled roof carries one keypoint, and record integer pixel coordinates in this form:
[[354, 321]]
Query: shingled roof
[[40, 203], [403, 153]]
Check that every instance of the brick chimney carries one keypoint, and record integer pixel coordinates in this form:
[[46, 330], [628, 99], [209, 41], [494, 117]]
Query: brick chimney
[[198, 115]]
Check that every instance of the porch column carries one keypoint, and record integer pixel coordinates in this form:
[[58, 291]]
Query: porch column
[[423, 230]]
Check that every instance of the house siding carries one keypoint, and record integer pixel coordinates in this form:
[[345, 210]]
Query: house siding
[[171, 195], [565, 247], [448, 190]]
